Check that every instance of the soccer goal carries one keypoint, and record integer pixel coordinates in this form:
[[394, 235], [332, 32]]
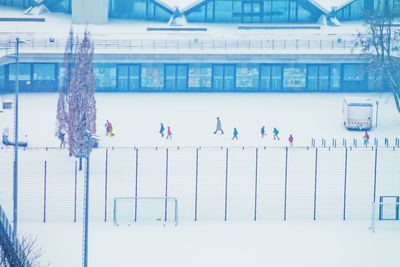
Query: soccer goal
[[385, 213], [145, 210]]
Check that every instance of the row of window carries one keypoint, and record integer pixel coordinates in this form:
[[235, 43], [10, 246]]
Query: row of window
[[200, 77], [246, 11]]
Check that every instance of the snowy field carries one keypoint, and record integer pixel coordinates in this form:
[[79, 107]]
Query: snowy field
[[299, 241], [136, 118], [277, 244]]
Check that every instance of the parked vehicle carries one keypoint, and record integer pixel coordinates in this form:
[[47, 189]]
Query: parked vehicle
[[357, 114]]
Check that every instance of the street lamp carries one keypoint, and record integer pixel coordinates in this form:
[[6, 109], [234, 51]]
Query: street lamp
[[15, 176], [85, 154]]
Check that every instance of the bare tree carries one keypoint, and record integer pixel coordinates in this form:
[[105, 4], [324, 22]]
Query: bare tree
[[381, 43], [30, 248]]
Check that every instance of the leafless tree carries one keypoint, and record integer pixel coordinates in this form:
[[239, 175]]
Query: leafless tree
[[381, 43], [29, 246]]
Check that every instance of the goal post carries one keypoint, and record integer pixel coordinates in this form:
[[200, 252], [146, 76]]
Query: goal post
[[145, 210], [385, 213]]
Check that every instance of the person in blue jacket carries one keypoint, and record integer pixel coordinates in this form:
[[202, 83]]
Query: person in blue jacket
[[262, 131], [276, 132], [235, 134], [162, 129]]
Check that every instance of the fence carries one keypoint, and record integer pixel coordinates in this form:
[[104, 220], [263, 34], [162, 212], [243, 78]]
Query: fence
[[10, 245], [269, 45], [210, 183]]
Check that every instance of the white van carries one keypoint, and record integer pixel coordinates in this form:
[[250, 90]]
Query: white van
[[357, 113]]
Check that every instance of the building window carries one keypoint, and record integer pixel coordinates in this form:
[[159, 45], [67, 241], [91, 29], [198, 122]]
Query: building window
[[247, 76], [265, 77], [276, 75], [106, 76], [353, 72], [200, 76], [44, 72], [335, 77], [152, 76], [294, 76], [24, 72]]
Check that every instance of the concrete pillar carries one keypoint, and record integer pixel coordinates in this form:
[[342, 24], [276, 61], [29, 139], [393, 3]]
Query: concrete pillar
[[89, 11]]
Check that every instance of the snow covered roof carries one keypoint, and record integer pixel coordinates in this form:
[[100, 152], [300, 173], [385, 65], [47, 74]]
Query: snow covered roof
[[181, 4], [327, 5]]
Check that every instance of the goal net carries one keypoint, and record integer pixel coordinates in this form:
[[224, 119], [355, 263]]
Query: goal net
[[145, 210], [385, 213]]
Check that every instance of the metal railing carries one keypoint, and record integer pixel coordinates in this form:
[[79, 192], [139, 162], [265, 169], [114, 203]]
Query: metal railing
[[10, 240], [307, 45]]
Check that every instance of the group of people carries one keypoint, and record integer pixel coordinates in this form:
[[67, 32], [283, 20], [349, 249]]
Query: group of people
[[275, 132], [162, 130], [263, 132]]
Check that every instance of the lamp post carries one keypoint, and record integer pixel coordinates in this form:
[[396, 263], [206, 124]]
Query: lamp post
[[88, 137], [376, 119], [15, 175]]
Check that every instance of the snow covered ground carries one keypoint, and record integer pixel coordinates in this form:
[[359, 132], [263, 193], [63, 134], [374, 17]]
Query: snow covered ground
[[299, 241], [275, 243], [136, 118]]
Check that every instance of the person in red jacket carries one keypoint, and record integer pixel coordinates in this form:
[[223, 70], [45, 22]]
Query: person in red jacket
[[366, 138], [169, 133], [291, 139]]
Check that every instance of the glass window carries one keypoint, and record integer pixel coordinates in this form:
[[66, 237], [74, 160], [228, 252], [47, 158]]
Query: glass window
[[106, 76], [123, 77], [335, 77], [134, 77], [218, 77], [152, 76], [223, 10], [312, 77], [324, 78], [128, 9], [353, 72], [294, 76], [247, 76], [265, 73], [2, 80], [24, 72], [276, 74], [229, 75], [59, 5], [170, 77], [182, 78], [44, 72], [200, 76]]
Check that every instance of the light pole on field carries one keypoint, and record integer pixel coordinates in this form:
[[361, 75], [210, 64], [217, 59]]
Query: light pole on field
[[376, 118], [15, 174]]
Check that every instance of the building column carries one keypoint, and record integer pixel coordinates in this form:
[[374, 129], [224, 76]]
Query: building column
[[89, 11]]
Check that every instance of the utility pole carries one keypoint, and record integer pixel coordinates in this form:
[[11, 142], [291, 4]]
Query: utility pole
[[15, 176]]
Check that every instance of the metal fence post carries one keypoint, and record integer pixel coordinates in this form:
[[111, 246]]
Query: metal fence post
[[166, 186], [226, 184], [75, 189], [375, 170], [255, 187], [315, 182], [105, 186], [345, 185], [44, 191], [285, 200], [136, 181], [196, 186]]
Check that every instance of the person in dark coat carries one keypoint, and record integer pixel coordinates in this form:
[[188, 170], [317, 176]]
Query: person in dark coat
[[219, 126], [61, 136], [169, 133]]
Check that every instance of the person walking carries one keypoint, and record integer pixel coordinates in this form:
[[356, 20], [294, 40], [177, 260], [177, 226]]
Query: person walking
[[366, 138], [235, 134], [291, 139], [61, 136], [219, 126], [162, 129], [276, 132], [110, 129], [107, 126], [169, 133], [262, 131]]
